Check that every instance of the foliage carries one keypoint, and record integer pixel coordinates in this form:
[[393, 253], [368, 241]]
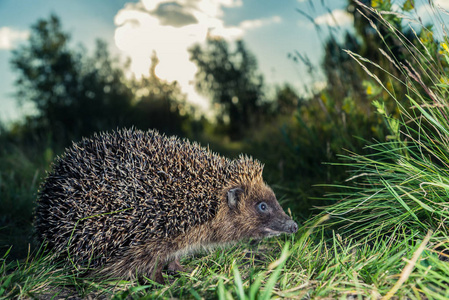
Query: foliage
[[75, 94], [21, 168], [403, 182], [160, 104], [300, 150], [72, 96], [312, 267], [231, 79]]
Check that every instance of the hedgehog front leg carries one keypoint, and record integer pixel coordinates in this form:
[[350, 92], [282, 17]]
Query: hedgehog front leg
[[139, 262], [176, 266], [157, 274], [155, 256], [154, 266], [151, 269]]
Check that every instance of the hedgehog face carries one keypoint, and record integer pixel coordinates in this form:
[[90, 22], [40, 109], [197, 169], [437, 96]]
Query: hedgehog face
[[259, 214]]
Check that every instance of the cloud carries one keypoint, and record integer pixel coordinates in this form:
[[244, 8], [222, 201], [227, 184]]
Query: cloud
[[428, 15], [444, 4], [337, 17], [9, 37], [172, 13], [426, 11], [250, 24], [170, 28]]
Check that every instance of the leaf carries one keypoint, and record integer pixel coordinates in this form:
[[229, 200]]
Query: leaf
[[408, 5], [221, 290], [400, 200], [376, 3], [5, 284], [238, 283], [429, 117], [195, 294], [278, 264], [255, 286]]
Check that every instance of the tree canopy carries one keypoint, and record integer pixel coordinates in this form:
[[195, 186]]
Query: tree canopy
[[231, 78], [76, 94]]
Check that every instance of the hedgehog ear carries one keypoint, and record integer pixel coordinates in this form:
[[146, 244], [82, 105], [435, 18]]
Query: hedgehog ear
[[233, 197]]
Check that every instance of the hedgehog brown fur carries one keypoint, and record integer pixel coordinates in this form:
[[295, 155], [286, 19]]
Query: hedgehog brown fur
[[127, 202]]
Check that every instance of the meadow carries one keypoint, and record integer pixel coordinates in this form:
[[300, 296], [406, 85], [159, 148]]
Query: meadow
[[378, 231]]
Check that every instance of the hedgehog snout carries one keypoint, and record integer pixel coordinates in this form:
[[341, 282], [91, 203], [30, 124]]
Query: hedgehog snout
[[281, 225], [291, 226]]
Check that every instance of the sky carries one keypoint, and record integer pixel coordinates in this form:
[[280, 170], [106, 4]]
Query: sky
[[270, 28]]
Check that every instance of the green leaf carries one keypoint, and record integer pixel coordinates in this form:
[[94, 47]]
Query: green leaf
[[195, 294], [408, 5], [255, 286], [275, 276], [428, 116], [238, 283], [5, 284], [399, 198], [221, 290]]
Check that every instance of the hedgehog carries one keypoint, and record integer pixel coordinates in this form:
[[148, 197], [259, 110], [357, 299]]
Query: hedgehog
[[129, 202]]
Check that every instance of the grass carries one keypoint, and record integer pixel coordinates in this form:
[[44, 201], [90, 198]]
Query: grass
[[405, 181], [385, 236], [305, 265]]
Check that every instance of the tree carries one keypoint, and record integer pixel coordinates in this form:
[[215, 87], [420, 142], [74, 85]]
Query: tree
[[342, 116], [287, 100], [232, 81], [76, 94], [160, 104], [73, 94]]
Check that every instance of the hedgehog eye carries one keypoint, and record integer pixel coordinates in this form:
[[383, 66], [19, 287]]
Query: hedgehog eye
[[262, 207]]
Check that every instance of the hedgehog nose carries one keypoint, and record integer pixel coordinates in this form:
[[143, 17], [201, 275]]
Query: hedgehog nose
[[291, 226]]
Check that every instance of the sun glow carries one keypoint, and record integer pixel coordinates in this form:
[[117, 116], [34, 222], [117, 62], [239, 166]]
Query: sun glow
[[169, 29]]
